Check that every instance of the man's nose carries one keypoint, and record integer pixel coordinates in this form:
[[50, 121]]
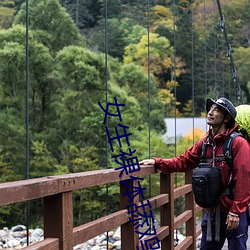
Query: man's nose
[[211, 111]]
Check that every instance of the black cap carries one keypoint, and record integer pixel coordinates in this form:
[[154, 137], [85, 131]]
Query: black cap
[[223, 103]]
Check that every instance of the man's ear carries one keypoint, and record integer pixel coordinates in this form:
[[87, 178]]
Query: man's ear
[[228, 118]]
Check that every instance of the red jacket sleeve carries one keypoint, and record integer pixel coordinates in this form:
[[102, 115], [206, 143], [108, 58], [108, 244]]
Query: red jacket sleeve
[[185, 162]]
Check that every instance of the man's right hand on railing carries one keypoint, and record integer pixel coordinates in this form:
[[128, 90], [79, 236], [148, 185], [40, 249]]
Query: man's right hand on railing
[[147, 162]]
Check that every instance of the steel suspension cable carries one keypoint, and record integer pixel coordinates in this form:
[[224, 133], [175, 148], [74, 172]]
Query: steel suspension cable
[[149, 122], [229, 54], [106, 83], [229, 83], [215, 52], [175, 95], [205, 49], [192, 76], [221, 68], [174, 74], [149, 95], [27, 207], [174, 78]]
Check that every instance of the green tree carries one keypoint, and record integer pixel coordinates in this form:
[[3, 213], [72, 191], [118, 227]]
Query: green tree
[[12, 113], [13, 148], [117, 31], [53, 25], [42, 162], [40, 60], [135, 81], [84, 13], [79, 74]]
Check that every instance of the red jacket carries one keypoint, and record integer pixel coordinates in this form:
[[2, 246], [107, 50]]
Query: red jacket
[[241, 167]]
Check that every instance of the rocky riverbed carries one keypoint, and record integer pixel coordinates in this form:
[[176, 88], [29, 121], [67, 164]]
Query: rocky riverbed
[[16, 238]]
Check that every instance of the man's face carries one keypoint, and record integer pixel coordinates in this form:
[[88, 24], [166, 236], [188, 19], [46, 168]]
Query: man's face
[[215, 116]]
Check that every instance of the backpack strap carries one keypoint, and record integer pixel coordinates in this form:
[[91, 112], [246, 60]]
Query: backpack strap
[[203, 152], [203, 155], [227, 151], [227, 148]]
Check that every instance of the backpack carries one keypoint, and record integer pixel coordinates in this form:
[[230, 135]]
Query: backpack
[[206, 185], [206, 179]]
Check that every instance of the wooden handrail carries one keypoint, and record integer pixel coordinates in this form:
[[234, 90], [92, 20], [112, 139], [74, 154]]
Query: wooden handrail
[[58, 209], [24, 190]]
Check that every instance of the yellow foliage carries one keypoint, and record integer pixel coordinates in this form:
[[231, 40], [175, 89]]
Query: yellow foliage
[[195, 134], [188, 106], [179, 66], [203, 114], [172, 84], [6, 17], [166, 96], [160, 53], [173, 111], [161, 15]]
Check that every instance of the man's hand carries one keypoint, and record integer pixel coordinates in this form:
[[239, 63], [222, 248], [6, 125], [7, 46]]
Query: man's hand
[[147, 162], [232, 221]]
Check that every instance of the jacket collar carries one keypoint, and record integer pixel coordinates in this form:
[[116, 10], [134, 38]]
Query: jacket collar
[[221, 136]]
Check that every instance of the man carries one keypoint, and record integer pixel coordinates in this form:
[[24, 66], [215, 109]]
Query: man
[[221, 115]]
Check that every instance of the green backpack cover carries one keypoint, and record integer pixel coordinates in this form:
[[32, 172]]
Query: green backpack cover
[[243, 119]]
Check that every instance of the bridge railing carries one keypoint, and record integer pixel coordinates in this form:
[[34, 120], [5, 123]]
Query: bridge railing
[[56, 192]]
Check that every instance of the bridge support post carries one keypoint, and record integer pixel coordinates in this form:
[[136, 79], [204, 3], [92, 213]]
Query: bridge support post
[[167, 210], [129, 238], [58, 219], [190, 205]]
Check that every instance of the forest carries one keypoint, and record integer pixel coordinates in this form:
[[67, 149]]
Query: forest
[[59, 59]]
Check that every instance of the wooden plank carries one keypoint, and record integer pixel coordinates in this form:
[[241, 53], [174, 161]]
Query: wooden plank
[[161, 234], [46, 244], [178, 192], [182, 218], [198, 231], [198, 209], [185, 244], [159, 200], [91, 229], [58, 219], [98, 177], [24, 190]]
